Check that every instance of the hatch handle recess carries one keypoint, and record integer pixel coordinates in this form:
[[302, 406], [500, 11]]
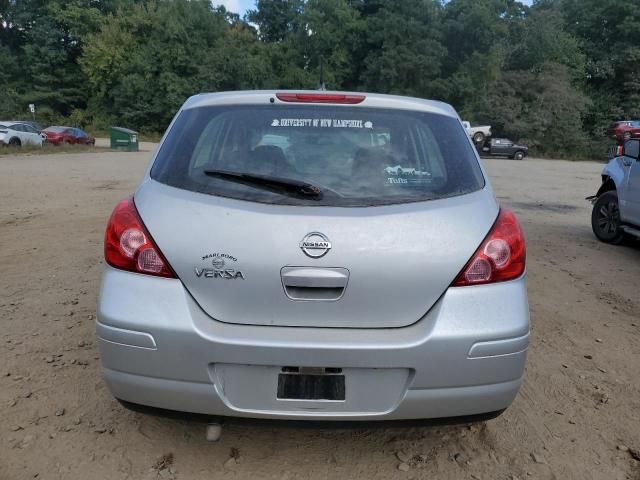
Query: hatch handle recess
[[314, 283]]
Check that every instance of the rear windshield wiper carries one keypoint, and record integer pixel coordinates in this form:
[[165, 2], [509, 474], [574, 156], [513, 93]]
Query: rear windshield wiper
[[267, 182]]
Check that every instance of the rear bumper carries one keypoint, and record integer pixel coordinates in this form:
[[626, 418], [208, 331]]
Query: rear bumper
[[465, 357], [417, 404]]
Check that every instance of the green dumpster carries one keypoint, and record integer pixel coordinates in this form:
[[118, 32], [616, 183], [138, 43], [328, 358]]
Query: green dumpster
[[124, 139]]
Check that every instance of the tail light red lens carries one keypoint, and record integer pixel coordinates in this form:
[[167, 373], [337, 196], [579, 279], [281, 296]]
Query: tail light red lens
[[128, 245], [501, 257], [320, 98]]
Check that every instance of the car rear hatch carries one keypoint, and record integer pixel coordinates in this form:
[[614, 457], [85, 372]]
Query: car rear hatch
[[269, 257], [387, 266]]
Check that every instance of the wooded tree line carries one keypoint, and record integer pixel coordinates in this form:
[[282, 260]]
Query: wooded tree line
[[553, 75]]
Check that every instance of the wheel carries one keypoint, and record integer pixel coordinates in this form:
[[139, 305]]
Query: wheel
[[15, 142], [626, 136], [518, 155], [605, 218], [478, 137]]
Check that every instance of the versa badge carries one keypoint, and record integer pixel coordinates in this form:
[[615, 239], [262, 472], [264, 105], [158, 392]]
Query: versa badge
[[220, 267]]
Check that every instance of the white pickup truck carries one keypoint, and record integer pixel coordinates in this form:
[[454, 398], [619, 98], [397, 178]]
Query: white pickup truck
[[479, 133]]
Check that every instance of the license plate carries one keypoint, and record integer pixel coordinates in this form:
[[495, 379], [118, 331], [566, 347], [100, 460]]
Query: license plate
[[295, 386]]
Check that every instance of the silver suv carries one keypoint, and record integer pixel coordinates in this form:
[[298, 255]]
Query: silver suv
[[314, 255], [616, 206]]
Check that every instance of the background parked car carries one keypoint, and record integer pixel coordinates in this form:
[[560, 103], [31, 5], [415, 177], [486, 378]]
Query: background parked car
[[31, 123], [19, 133], [616, 206], [478, 133], [69, 135], [503, 147], [624, 130]]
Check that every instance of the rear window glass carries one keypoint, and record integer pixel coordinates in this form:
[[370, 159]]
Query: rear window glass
[[353, 156]]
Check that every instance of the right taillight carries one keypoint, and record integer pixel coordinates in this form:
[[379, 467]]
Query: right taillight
[[500, 257], [129, 246]]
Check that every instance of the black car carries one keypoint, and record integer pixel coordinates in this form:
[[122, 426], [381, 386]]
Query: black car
[[503, 147]]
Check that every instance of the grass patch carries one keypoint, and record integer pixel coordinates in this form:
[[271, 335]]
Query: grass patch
[[48, 149]]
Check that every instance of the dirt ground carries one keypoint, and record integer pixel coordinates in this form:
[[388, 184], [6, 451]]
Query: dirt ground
[[575, 417]]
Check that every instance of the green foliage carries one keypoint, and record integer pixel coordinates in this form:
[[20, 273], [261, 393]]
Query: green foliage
[[540, 107], [403, 51], [326, 31], [275, 18], [608, 32], [148, 58], [542, 39], [9, 103], [554, 74]]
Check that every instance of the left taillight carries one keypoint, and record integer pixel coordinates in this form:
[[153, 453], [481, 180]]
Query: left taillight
[[128, 245]]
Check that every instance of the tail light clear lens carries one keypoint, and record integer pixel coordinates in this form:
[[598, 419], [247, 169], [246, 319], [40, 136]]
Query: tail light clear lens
[[128, 245], [501, 257]]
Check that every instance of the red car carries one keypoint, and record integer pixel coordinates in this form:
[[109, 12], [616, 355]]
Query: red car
[[68, 135], [624, 130]]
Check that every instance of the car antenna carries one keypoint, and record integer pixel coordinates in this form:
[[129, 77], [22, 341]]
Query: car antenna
[[322, 85]]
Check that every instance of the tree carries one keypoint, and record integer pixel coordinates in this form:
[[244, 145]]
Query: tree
[[540, 107], [404, 54], [608, 32], [275, 18], [9, 104], [477, 26], [327, 31], [148, 58], [542, 39], [477, 35], [554, 74]]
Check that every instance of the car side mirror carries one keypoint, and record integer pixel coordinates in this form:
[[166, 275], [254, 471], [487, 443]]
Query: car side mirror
[[632, 149]]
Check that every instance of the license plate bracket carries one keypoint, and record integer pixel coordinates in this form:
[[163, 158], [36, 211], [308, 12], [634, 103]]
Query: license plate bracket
[[296, 386]]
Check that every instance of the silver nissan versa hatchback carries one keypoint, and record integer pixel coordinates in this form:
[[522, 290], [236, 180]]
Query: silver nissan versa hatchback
[[314, 255]]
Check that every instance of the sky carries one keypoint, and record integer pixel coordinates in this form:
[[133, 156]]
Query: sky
[[236, 6], [241, 6]]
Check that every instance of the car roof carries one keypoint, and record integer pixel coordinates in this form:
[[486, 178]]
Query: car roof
[[17, 122], [375, 100]]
